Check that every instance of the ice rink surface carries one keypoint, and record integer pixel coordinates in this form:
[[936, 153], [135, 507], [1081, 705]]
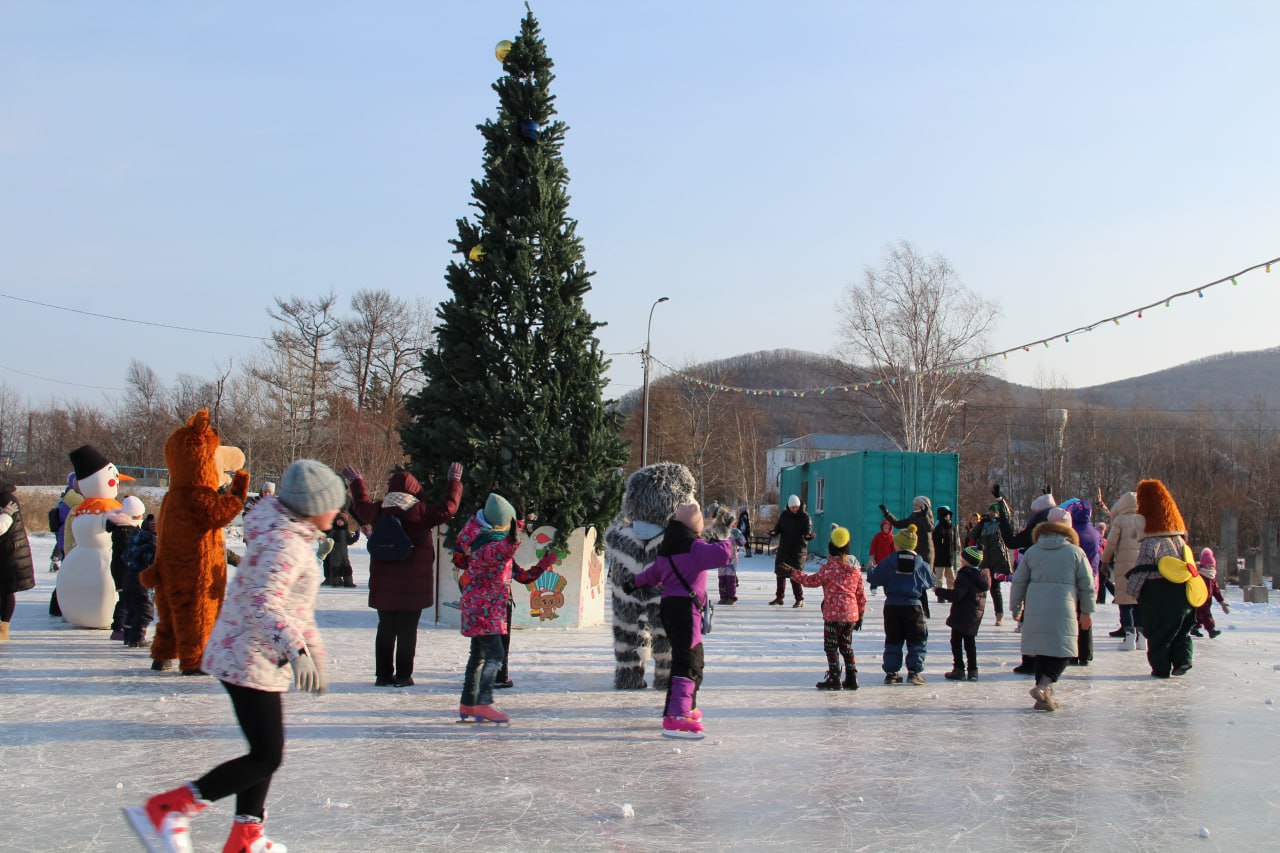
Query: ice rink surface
[[1129, 763]]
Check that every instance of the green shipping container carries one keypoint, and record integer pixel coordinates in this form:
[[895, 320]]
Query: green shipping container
[[848, 490]]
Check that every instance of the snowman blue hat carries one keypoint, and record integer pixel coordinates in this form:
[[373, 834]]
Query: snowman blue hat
[[87, 460]]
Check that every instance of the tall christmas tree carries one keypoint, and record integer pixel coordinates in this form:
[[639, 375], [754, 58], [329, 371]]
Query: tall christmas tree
[[515, 380]]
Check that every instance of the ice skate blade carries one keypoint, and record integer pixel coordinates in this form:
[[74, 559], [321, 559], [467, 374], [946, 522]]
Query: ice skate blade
[[481, 721], [683, 735], [141, 826]]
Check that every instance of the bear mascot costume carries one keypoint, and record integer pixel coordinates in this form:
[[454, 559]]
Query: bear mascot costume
[[189, 573], [631, 545]]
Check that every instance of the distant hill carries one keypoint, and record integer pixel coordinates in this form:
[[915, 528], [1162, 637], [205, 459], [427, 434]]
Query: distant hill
[[1232, 380]]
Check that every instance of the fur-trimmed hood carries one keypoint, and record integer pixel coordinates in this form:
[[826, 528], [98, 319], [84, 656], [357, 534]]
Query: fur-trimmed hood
[[1047, 528]]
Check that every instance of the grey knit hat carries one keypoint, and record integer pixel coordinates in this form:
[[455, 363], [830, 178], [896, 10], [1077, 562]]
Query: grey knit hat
[[309, 487]]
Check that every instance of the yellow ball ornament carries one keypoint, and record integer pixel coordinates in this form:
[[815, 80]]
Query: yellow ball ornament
[[476, 254], [501, 49]]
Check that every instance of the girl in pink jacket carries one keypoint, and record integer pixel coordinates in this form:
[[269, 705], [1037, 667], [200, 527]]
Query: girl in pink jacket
[[489, 569], [843, 602], [267, 623]]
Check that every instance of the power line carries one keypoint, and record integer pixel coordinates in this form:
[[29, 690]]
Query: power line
[[59, 381], [129, 320]]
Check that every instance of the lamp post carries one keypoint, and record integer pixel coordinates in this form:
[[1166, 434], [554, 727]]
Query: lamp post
[[644, 406], [1057, 419]]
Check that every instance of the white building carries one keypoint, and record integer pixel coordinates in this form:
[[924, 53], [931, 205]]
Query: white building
[[815, 446]]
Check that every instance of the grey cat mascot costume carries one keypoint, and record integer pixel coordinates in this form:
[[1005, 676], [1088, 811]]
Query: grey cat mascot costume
[[631, 543]]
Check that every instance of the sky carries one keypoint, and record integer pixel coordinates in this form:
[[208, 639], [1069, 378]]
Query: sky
[[185, 163]]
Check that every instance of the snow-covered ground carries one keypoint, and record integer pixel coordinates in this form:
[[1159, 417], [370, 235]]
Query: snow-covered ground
[[1129, 763]]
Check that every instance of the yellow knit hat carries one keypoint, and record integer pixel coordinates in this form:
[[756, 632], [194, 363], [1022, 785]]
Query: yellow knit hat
[[840, 537], [906, 538]]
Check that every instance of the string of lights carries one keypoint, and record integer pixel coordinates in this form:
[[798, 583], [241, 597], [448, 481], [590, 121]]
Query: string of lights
[[977, 362]]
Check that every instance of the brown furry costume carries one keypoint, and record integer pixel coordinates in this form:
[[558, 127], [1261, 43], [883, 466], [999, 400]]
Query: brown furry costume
[[189, 574]]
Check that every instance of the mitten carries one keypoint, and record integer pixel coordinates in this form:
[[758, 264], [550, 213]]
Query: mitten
[[857, 626], [351, 473], [455, 471], [629, 585], [306, 675], [1226, 608]]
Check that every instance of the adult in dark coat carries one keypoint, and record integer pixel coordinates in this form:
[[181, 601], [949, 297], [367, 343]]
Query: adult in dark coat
[[399, 591], [337, 563], [922, 517], [17, 572], [794, 530], [744, 525], [944, 551]]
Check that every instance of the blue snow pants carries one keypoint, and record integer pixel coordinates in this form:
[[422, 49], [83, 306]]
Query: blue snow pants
[[904, 623]]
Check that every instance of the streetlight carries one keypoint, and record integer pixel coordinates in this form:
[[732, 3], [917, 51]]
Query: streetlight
[[644, 406]]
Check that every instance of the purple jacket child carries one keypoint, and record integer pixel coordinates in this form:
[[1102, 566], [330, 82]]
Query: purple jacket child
[[702, 557]]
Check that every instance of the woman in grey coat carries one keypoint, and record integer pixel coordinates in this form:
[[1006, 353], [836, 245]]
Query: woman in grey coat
[[1053, 587]]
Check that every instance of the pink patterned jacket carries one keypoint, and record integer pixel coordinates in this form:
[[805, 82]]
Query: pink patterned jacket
[[843, 597], [489, 573]]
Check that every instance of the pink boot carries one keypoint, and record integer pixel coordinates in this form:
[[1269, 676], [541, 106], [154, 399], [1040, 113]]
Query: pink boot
[[679, 721]]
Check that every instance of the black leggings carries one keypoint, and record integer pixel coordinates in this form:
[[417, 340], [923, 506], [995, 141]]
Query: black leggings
[[261, 718], [8, 603], [686, 659], [397, 639]]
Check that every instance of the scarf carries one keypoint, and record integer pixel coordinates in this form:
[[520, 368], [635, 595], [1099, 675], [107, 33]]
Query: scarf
[[399, 500]]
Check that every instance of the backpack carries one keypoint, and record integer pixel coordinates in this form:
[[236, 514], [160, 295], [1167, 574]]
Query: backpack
[[388, 540]]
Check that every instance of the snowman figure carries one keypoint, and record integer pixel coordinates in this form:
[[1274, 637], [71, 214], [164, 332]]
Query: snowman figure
[[86, 592]]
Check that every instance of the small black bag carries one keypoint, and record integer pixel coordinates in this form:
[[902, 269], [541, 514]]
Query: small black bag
[[706, 608], [388, 541]]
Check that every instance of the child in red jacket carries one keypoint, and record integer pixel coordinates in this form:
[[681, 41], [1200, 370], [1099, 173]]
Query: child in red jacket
[[881, 546], [843, 602], [1204, 619]]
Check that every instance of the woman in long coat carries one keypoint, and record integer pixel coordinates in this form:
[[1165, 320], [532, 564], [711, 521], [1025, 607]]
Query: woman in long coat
[[1123, 538], [17, 571], [1053, 587], [401, 590]]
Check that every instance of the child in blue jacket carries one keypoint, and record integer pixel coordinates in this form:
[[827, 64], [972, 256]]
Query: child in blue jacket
[[906, 579]]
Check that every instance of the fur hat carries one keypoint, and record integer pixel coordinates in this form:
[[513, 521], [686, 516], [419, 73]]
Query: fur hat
[[310, 488], [906, 538], [1157, 508], [1042, 503], [690, 515], [840, 537], [498, 511], [972, 555], [794, 500], [653, 493]]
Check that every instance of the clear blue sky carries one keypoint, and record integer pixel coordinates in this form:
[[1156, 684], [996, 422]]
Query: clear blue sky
[[185, 162]]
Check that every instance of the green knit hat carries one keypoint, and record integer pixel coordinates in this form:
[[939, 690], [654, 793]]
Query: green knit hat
[[906, 538], [498, 511]]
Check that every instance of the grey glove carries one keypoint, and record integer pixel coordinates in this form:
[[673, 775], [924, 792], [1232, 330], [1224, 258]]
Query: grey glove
[[10, 508], [306, 675], [324, 548], [351, 473]]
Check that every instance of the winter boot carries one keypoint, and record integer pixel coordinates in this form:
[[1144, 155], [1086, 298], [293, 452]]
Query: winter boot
[[246, 837], [999, 619], [1119, 632], [972, 675], [4, 632], [1195, 632], [679, 722], [488, 714], [1043, 694], [1213, 633], [798, 604], [1142, 641], [1130, 641], [1182, 669], [776, 601], [167, 816], [832, 681], [892, 678], [851, 679], [956, 674], [914, 678]]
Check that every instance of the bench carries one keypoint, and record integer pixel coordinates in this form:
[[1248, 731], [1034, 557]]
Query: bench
[[761, 544]]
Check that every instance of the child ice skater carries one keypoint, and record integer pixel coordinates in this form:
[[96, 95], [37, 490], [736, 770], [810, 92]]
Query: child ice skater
[[968, 602], [843, 602], [267, 620], [139, 611], [906, 580], [485, 604], [1204, 619], [680, 569]]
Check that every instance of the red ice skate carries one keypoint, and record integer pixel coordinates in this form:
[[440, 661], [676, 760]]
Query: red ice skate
[[167, 817]]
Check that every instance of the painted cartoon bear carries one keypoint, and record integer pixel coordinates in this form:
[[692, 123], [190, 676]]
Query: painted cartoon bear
[[189, 573], [631, 544]]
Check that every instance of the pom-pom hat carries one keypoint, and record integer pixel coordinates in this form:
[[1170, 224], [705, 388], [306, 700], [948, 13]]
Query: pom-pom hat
[[840, 537], [906, 538]]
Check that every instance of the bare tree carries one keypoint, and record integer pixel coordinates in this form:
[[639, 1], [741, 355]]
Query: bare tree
[[909, 326], [298, 358]]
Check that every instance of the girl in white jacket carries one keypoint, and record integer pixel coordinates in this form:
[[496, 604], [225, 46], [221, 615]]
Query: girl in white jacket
[[267, 621]]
